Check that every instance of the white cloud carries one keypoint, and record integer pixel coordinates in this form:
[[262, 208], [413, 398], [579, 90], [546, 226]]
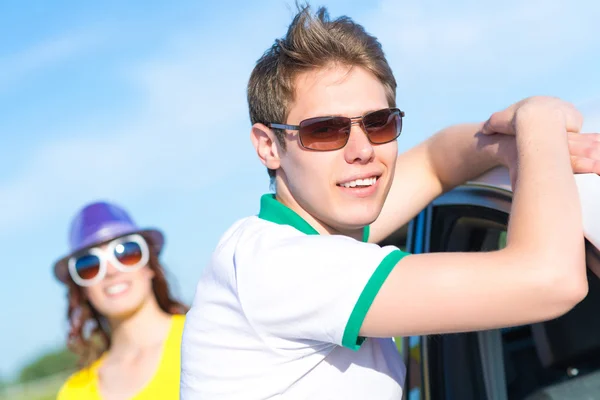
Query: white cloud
[[592, 124], [189, 128], [512, 37], [179, 139], [591, 112], [49, 52], [191, 123]]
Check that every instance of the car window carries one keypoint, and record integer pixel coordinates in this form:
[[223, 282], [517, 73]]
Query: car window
[[453, 362], [557, 359]]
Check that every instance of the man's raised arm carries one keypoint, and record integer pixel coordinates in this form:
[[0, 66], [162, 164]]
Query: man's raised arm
[[539, 275], [453, 156]]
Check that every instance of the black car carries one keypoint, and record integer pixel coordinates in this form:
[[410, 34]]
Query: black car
[[557, 359]]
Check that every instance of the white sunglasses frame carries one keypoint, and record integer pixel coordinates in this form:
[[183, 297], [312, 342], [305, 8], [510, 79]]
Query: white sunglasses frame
[[109, 255]]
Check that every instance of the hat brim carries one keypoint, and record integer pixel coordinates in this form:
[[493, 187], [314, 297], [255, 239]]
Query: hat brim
[[157, 239]]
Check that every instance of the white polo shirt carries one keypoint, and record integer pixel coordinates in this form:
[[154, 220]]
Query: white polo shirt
[[277, 313]]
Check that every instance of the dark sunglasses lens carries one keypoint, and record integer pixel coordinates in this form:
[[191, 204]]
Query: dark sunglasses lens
[[87, 266], [128, 253], [383, 126], [326, 133]]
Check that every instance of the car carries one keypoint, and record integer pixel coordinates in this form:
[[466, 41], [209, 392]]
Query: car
[[556, 359]]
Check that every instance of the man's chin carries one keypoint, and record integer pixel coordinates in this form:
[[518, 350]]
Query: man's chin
[[364, 211], [356, 218]]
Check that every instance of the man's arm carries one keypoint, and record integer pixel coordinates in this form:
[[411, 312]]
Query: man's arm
[[442, 162], [456, 155], [539, 275]]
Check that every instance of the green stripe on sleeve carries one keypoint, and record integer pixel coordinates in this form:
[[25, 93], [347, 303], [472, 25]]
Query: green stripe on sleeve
[[351, 339]]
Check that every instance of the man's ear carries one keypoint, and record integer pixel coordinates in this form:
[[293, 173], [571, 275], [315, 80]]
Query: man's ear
[[266, 146]]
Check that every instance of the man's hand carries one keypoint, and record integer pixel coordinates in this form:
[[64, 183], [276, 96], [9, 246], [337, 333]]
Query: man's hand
[[504, 121], [584, 148], [463, 152], [585, 152]]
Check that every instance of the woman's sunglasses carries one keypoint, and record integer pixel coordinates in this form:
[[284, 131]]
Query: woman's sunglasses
[[127, 254], [332, 133]]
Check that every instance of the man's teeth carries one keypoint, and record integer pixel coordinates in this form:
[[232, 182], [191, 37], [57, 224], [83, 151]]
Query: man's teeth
[[360, 182], [116, 289]]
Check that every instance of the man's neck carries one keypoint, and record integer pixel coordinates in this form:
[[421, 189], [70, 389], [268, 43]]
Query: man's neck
[[285, 197]]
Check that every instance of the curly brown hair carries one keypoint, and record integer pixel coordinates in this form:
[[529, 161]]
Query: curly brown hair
[[89, 335]]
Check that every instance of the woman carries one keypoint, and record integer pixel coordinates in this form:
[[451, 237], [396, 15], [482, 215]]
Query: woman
[[124, 323]]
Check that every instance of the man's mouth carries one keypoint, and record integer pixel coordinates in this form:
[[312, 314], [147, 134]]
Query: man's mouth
[[364, 182]]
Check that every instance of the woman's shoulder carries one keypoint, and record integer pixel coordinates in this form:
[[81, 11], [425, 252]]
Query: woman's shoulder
[[178, 320], [172, 341], [176, 332], [79, 383], [172, 346]]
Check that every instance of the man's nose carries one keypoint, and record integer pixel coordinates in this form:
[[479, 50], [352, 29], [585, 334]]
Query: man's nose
[[358, 149]]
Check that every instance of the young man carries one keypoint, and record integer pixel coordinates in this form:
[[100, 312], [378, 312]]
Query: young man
[[300, 302]]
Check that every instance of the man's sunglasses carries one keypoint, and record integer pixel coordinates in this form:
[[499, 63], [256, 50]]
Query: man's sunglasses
[[332, 133], [127, 254]]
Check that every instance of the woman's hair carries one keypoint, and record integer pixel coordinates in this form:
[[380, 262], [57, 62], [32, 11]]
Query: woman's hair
[[89, 335]]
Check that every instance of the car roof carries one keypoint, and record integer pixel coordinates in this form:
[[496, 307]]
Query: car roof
[[496, 178], [588, 185]]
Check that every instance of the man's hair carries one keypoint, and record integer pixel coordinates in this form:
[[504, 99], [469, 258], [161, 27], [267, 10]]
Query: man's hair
[[311, 42]]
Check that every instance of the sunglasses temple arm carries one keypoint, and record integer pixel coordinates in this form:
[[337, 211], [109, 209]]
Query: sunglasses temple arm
[[283, 126]]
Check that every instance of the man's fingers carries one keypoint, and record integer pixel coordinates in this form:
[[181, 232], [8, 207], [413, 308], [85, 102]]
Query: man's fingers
[[584, 137], [585, 165], [585, 146], [585, 152], [499, 122], [574, 120], [487, 129]]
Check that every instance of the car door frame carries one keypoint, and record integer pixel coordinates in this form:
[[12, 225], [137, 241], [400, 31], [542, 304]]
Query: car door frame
[[490, 194]]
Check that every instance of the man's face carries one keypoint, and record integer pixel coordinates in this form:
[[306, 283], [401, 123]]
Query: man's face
[[314, 183]]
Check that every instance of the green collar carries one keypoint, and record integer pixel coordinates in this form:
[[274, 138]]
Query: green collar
[[274, 211]]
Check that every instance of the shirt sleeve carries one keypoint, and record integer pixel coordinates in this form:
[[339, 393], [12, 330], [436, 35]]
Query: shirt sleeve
[[311, 287]]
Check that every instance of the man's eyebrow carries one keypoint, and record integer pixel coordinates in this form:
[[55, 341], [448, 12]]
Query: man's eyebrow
[[342, 115]]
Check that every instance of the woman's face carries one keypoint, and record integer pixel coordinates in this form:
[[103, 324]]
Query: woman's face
[[121, 294], [116, 276]]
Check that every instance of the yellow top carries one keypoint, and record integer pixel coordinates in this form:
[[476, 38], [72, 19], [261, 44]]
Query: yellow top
[[83, 384]]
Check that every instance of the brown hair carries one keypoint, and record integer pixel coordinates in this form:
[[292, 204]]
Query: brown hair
[[311, 42], [89, 335]]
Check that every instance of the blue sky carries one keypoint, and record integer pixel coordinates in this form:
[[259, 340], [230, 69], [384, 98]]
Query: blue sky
[[144, 104]]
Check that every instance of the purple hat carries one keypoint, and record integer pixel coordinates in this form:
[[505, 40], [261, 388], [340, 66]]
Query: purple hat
[[98, 223]]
